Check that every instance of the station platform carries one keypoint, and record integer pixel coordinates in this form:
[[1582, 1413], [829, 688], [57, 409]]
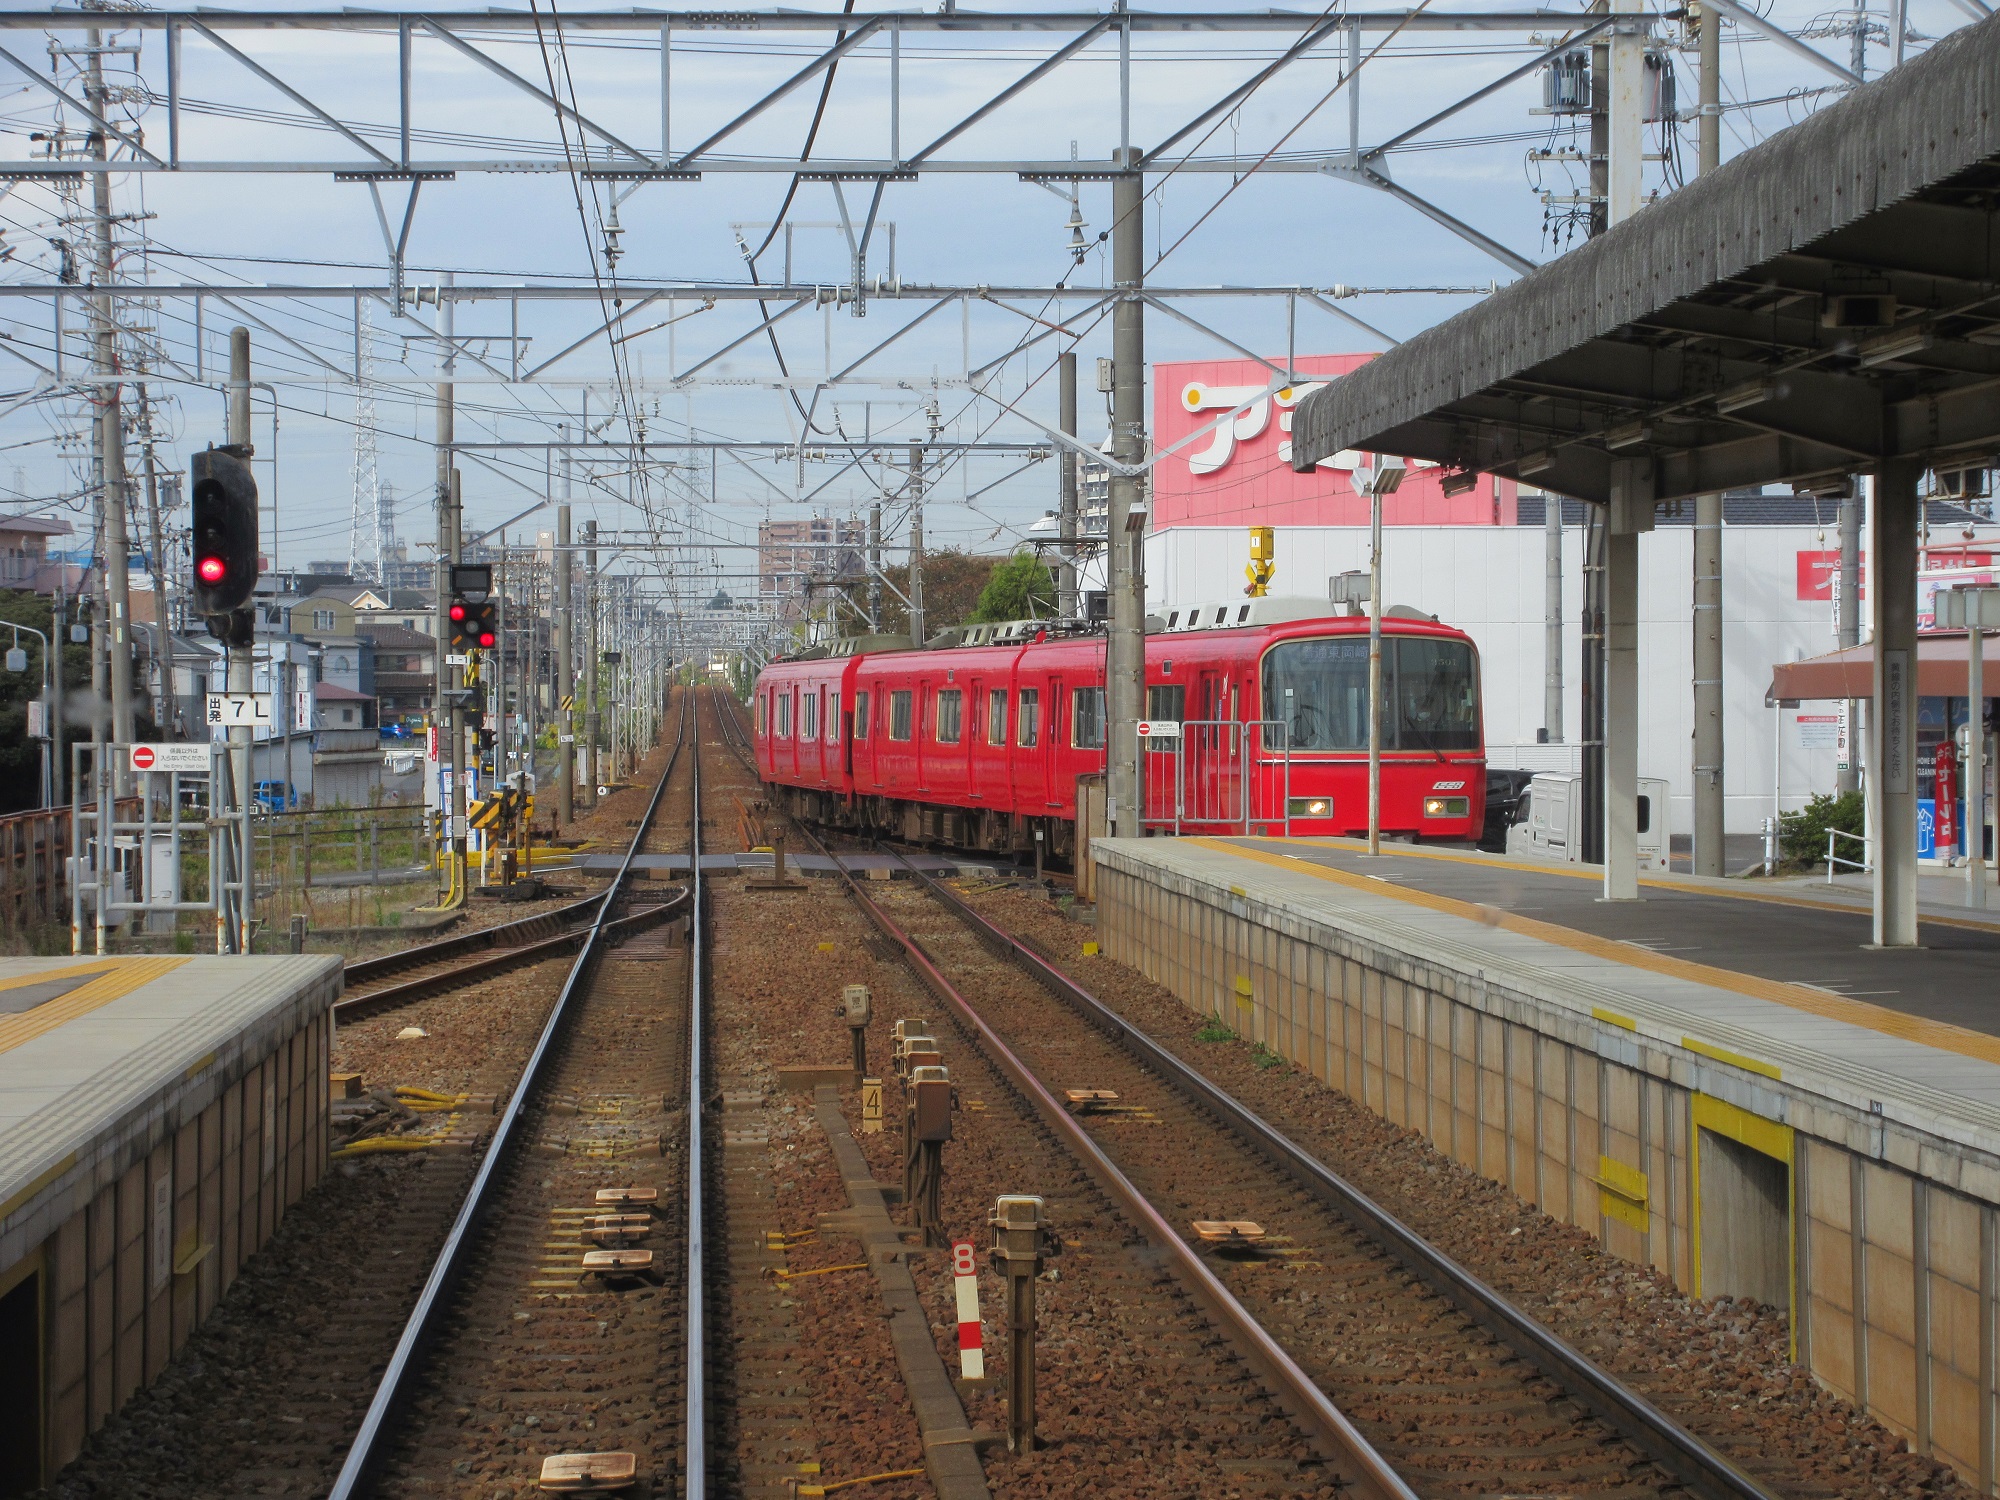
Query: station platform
[[750, 862], [1720, 1079], [157, 1115]]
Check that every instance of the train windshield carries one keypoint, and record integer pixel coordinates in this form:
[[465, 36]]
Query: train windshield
[[1319, 689]]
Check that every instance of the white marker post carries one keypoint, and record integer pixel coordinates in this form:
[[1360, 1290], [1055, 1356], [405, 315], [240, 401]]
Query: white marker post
[[965, 1283]]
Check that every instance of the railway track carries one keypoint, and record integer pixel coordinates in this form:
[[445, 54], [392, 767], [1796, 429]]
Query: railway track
[[563, 1318], [1411, 1376], [371, 986]]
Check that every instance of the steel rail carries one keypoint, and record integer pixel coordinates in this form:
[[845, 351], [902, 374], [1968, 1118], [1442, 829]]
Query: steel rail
[[1656, 1434], [371, 1442], [485, 966], [695, 1326], [504, 935], [1343, 1446]]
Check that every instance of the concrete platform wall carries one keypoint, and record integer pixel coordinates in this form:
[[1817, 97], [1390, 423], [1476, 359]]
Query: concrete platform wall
[[1605, 1130], [128, 1278]]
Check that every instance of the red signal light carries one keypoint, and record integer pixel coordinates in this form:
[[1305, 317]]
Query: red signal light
[[487, 638], [212, 569], [457, 611]]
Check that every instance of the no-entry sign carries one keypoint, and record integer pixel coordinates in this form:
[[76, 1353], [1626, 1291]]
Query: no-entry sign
[[170, 758]]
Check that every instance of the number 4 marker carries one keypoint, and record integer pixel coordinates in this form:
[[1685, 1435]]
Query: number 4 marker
[[965, 1282]]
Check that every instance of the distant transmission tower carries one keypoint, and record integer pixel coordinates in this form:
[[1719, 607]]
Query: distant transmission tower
[[386, 546], [366, 520]]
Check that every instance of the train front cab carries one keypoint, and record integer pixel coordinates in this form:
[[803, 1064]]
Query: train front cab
[[1433, 744]]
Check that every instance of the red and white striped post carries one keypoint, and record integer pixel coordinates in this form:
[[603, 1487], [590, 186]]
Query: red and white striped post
[[965, 1284]]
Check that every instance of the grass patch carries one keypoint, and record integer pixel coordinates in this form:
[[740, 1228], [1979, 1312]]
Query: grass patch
[[1212, 1030], [1263, 1057]]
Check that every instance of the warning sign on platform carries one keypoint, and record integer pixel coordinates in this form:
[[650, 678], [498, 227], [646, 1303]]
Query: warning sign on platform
[[170, 758], [1159, 729]]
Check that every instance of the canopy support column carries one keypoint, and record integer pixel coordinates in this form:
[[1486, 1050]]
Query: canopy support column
[[1892, 727], [1631, 512]]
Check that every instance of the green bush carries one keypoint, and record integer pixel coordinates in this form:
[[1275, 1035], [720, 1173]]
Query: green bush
[[1802, 834]]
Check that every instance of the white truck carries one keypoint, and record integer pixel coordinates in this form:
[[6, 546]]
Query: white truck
[[1546, 826]]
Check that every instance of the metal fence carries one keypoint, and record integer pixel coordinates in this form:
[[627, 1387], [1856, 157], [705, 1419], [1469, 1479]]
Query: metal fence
[[1227, 776]]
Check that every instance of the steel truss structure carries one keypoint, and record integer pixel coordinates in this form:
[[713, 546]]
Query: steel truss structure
[[403, 51]]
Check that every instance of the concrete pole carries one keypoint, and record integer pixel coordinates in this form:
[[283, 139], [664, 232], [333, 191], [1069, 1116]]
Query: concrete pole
[[461, 763], [1626, 182], [591, 768], [109, 433], [1067, 607], [447, 676], [874, 566], [166, 708], [916, 589], [1892, 729], [1552, 618], [565, 651], [1125, 568], [1975, 765], [242, 665], [1849, 625], [1374, 671], [1709, 785], [1708, 142]]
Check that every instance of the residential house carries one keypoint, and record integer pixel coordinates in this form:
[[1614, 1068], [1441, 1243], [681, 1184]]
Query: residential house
[[404, 673]]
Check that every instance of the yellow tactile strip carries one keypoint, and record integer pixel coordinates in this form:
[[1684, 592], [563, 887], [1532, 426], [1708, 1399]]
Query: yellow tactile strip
[[1595, 875], [1919, 1029], [113, 978]]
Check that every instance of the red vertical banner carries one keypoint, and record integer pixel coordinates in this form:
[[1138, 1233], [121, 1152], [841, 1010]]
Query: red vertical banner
[[1945, 800]]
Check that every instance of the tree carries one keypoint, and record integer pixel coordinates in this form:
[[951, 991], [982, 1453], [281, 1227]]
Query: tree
[[953, 581], [21, 757], [1021, 588]]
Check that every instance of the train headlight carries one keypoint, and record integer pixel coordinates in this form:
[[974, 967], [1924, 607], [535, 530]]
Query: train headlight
[[1309, 807], [1447, 807]]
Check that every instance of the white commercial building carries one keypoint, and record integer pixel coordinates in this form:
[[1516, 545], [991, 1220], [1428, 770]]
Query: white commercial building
[[1489, 581]]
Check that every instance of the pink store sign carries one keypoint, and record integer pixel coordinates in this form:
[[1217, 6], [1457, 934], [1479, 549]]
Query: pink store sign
[[1238, 471]]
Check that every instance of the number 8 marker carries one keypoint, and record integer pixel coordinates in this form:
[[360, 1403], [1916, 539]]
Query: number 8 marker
[[965, 1282]]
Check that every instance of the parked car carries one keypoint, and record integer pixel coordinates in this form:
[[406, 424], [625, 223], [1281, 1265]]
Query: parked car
[[276, 797], [1504, 790]]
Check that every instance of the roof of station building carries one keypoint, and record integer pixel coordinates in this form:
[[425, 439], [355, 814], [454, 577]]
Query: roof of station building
[[1693, 337]]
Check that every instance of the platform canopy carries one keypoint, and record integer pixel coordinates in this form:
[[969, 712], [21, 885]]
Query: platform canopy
[[1824, 301], [1943, 671]]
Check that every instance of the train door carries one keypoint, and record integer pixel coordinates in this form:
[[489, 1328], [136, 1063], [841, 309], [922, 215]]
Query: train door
[[918, 732], [1055, 759], [1205, 751], [1031, 772]]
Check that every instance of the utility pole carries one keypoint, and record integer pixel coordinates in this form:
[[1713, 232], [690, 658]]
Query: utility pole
[[565, 603], [916, 546], [1125, 522], [166, 709], [461, 764], [1709, 787], [109, 434], [875, 566], [1066, 602], [445, 716], [590, 664], [242, 662]]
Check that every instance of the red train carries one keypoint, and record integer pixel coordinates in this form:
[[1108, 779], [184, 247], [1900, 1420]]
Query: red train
[[982, 744]]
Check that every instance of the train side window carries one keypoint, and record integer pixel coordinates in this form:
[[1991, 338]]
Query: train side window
[[809, 716], [761, 697], [1028, 722], [784, 713], [833, 717], [950, 716], [861, 716], [1168, 703], [996, 717], [899, 714], [1086, 718]]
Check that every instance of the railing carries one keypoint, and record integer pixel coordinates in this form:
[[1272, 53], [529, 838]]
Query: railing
[[1866, 862], [1229, 774], [34, 849]]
